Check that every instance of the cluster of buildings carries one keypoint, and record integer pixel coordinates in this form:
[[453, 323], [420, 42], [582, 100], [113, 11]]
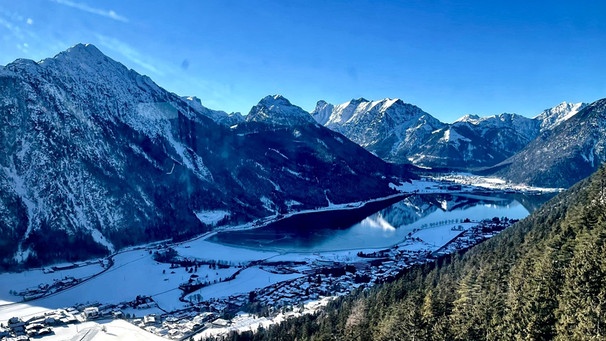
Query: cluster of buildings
[[178, 326], [39, 325]]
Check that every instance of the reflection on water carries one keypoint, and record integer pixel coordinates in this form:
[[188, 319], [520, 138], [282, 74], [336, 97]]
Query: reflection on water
[[322, 232]]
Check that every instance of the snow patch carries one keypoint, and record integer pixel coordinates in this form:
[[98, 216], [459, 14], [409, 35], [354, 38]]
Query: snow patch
[[211, 217], [99, 238], [267, 203], [297, 174], [279, 153], [291, 203], [452, 136], [190, 159]]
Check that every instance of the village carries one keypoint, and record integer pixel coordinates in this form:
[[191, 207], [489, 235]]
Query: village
[[307, 279]]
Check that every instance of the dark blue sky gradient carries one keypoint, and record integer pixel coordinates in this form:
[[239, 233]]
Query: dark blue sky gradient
[[448, 57]]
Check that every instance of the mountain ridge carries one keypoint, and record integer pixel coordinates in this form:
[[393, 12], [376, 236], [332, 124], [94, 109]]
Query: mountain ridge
[[469, 143], [563, 155]]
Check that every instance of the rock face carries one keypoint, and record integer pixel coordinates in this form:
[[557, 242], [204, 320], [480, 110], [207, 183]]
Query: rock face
[[97, 157], [563, 155]]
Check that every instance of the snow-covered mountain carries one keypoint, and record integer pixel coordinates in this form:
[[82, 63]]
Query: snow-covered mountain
[[563, 155], [474, 141], [389, 128], [97, 157], [550, 118], [400, 132], [277, 110]]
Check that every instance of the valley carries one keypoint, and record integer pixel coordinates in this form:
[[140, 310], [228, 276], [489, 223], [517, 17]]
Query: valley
[[195, 286], [145, 211]]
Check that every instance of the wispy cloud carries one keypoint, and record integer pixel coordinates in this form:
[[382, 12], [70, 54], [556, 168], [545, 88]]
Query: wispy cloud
[[86, 8], [128, 52]]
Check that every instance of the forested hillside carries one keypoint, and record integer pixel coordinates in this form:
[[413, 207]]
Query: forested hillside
[[542, 279]]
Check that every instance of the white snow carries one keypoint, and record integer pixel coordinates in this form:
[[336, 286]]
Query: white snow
[[291, 203], [279, 111], [297, 174], [11, 281], [248, 280], [106, 330], [477, 181], [278, 152], [245, 322], [100, 239], [134, 273], [190, 159], [267, 203], [451, 136], [211, 217]]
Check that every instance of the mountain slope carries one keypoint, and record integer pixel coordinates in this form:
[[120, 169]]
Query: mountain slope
[[559, 157], [97, 157], [544, 278]]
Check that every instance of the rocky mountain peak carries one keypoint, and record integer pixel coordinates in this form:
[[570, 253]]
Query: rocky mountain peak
[[277, 110], [552, 117], [322, 112], [88, 51], [471, 118]]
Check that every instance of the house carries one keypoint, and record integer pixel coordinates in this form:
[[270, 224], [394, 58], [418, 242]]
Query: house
[[117, 314], [150, 320], [91, 313], [220, 323]]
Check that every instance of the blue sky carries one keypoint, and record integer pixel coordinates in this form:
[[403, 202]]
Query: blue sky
[[450, 58]]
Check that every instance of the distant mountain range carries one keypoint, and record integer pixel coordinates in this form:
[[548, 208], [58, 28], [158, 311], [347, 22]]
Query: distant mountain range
[[557, 148], [97, 157], [400, 132]]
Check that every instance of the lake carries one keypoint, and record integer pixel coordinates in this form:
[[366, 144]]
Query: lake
[[380, 224]]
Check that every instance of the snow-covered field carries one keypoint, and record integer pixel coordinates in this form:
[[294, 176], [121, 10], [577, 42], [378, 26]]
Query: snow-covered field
[[248, 280], [109, 330]]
